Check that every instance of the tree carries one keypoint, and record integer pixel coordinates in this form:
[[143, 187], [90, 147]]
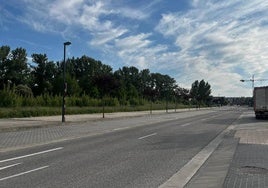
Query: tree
[[85, 70], [13, 66], [4, 58], [106, 84], [163, 85], [43, 74], [200, 92], [85, 75], [73, 88], [130, 76]]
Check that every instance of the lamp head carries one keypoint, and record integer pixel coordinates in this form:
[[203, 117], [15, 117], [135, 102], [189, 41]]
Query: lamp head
[[67, 43]]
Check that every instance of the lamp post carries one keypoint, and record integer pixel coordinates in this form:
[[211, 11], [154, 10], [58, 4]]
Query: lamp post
[[253, 80], [64, 92]]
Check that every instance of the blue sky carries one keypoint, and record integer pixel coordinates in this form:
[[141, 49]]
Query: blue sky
[[220, 41]]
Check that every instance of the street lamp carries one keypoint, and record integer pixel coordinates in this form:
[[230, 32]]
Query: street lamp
[[253, 80], [64, 92]]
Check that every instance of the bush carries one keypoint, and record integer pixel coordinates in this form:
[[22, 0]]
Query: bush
[[8, 99], [23, 90], [28, 101], [110, 101], [134, 102]]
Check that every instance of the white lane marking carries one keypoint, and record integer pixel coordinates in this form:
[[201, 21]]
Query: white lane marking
[[186, 124], [9, 166], [147, 136], [30, 155], [20, 174], [122, 128], [183, 176]]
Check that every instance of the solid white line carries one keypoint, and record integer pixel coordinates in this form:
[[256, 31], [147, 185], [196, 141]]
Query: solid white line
[[147, 136], [20, 174], [5, 167], [30, 155]]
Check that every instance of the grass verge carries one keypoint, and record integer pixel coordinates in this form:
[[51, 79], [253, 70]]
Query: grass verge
[[18, 112]]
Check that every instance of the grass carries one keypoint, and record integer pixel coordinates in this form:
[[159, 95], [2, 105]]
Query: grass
[[18, 112]]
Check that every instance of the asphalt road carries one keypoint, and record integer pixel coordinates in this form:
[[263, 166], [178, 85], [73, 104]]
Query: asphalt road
[[143, 156]]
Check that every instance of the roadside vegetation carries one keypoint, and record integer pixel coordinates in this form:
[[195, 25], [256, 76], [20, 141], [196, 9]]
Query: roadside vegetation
[[35, 88]]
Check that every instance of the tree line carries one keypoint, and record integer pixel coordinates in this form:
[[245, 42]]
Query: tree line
[[87, 77]]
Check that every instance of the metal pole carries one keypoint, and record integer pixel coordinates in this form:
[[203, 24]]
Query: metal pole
[[64, 86], [253, 82], [64, 92]]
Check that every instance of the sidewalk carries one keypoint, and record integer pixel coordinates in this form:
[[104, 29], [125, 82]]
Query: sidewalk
[[14, 124], [249, 166], [240, 160]]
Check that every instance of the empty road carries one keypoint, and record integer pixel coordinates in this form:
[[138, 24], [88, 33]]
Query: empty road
[[128, 156]]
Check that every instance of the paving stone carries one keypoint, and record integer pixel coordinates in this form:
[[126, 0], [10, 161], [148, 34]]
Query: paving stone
[[249, 167]]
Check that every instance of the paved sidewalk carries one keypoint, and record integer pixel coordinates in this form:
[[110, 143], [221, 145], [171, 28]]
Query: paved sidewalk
[[14, 124], [241, 160], [249, 167]]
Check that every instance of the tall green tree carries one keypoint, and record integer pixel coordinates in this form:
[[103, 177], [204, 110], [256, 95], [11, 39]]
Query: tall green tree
[[164, 85], [145, 82], [85, 70], [43, 73], [13, 66], [106, 84], [19, 68], [73, 88], [200, 92], [4, 58], [130, 80]]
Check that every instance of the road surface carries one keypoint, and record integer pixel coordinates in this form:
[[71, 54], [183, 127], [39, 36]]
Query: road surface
[[129, 156]]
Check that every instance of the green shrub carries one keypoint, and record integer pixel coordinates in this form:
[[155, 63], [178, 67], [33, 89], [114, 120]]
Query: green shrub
[[134, 102], [28, 101], [23, 90], [8, 99], [110, 101]]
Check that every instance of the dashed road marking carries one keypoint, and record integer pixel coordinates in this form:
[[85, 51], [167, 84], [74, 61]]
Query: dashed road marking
[[186, 124], [22, 173], [30, 155], [9, 166], [122, 128], [147, 136]]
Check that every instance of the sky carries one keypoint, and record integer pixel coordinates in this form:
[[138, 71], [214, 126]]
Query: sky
[[220, 41]]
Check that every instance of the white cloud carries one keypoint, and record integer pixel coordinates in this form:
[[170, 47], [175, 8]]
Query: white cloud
[[132, 13], [104, 37], [60, 16], [139, 50], [65, 11], [216, 38], [219, 41], [132, 43]]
